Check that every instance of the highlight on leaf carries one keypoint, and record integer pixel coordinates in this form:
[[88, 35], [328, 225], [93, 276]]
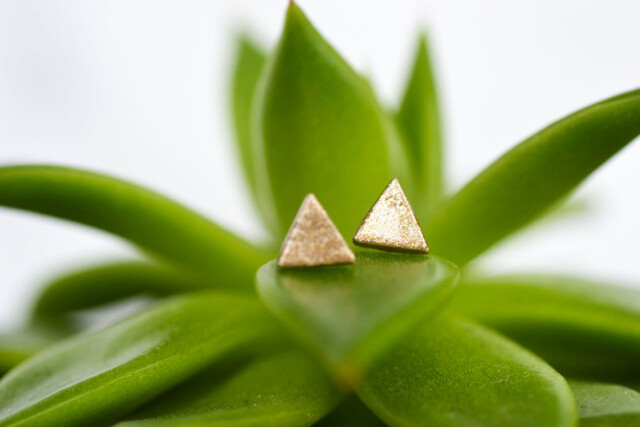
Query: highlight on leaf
[[98, 377], [374, 343], [351, 315], [604, 405]]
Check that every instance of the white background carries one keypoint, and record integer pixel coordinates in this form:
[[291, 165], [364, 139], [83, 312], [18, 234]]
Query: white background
[[138, 89]]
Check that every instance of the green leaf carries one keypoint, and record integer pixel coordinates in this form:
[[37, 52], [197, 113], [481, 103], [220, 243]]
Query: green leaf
[[246, 70], [455, 373], [606, 405], [94, 378], [581, 328], [15, 348], [351, 412], [86, 289], [318, 129], [419, 122], [350, 315], [153, 222], [531, 177], [283, 389], [18, 346], [103, 284]]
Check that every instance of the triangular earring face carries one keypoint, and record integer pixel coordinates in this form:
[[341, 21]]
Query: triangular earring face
[[391, 224], [313, 239]]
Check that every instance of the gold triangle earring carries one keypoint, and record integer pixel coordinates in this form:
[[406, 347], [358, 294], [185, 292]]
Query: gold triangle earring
[[313, 239], [391, 224]]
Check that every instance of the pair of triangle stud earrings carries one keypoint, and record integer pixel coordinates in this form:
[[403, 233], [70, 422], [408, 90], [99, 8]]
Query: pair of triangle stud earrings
[[313, 239]]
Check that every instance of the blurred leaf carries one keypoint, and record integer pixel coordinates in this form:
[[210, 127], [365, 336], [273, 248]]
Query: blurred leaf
[[98, 285], [564, 210], [155, 223], [531, 177], [582, 329], [246, 70], [351, 412], [455, 373], [568, 209], [282, 389], [419, 122], [606, 405], [350, 315], [94, 378], [86, 289], [318, 128], [18, 346], [14, 348]]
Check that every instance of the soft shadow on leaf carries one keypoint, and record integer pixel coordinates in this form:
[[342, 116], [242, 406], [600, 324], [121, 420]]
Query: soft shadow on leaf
[[318, 128], [147, 219], [419, 122], [350, 315], [531, 177], [287, 388], [351, 412], [606, 405], [454, 373], [97, 377], [582, 329]]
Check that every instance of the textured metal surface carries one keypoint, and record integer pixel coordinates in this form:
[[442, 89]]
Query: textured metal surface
[[391, 224], [313, 239]]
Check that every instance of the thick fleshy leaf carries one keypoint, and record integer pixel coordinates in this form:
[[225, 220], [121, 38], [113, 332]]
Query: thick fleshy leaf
[[582, 329], [283, 389], [318, 128], [94, 378], [351, 412], [419, 122], [248, 64], [153, 222], [349, 315], [455, 373], [606, 405], [99, 285], [527, 180]]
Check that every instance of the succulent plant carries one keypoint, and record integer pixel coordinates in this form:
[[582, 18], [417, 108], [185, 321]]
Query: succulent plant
[[399, 339]]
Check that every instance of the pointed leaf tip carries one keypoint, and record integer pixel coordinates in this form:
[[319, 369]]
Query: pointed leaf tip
[[319, 128], [391, 224], [313, 239], [532, 176], [419, 122], [249, 62]]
